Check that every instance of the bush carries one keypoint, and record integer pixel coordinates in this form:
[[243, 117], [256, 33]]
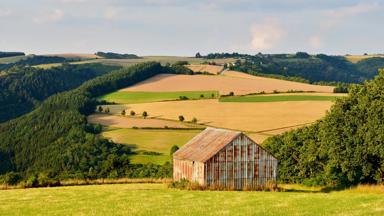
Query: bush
[[181, 118], [145, 114], [132, 113], [174, 149], [11, 178]]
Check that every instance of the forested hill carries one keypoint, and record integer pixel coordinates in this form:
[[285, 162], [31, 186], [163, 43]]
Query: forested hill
[[313, 68], [344, 148], [55, 140], [23, 88], [11, 54]]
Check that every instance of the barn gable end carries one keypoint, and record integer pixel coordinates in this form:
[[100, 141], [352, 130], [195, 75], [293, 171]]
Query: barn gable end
[[226, 159]]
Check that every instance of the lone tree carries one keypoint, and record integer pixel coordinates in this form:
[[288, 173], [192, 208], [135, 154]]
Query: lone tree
[[231, 93], [212, 95], [145, 114], [133, 113], [194, 120], [106, 110], [174, 149], [123, 113], [181, 118], [201, 96], [100, 109], [198, 55]]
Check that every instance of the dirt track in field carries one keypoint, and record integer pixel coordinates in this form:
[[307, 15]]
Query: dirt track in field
[[236, 82]]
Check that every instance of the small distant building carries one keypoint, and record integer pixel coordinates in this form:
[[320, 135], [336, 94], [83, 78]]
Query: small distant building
[[226, 159]]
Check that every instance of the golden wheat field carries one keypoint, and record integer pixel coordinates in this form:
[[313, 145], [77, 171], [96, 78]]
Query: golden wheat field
[[223, 84], [213, 69], [260, 119], [131, 122]]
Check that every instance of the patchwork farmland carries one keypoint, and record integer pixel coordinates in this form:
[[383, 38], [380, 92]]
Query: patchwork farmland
[[258, 107]]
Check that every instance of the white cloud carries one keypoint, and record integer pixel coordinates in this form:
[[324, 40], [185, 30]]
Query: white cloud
[[111, 13], [352, 10], [5, 12], [316, 41], [266, 35], [53, 16]]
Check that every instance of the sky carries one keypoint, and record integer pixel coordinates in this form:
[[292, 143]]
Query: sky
[[184, 27]]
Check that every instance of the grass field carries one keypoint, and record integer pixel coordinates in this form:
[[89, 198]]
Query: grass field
[[357, 58], [246, 84], [156, 199], [126, 97], [13, 59], [278, 98], [155, 140]]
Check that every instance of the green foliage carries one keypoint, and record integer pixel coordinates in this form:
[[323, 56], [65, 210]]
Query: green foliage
[[53, 138], [344, 148], [174, 148], [181, 118], [11, 178], [23, 88], [111, 55], [303, 67], [11, 54]]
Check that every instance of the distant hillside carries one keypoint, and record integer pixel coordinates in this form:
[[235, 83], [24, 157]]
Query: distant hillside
[[11, 54], [55, 141], [35, 60], [313, 68], [22, 88], [111, 55], [344, 148]]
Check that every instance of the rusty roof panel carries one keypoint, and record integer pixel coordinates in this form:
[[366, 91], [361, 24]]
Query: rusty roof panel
[[206, 144]]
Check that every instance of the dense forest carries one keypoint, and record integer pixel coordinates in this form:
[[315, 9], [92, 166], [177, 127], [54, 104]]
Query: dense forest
[[111, 55], [55, 140], [310, 68], [23, 88], [11, 54], [344, 148], [36, 60]]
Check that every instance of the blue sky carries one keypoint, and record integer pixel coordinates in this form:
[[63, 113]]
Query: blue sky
[[184, 27]]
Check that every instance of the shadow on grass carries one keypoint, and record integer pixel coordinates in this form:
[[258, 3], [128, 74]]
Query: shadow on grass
[[322, 190]]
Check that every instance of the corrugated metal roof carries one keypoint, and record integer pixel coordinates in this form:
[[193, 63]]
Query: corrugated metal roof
[[206, 144]]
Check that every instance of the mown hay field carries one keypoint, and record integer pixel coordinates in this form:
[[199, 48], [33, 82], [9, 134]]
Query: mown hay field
[[151, 140], [156, 199], [127, 121], [357, 58], [281, 97], [223, 84], [143, 97], [212, 69], [247, 116]]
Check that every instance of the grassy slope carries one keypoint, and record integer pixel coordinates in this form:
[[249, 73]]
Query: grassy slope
[[157, 140], [155, 199], [12, 59], [277, 98], [124, 97]]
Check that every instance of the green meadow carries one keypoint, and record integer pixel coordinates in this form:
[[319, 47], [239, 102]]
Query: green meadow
[[278, 98], [144, 141], [157, 199], [125, 97]]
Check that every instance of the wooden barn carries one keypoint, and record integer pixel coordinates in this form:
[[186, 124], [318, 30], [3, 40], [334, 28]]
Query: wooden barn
[[225, 159]]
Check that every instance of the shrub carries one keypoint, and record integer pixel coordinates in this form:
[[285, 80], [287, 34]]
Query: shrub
[[123, 113], [174, 149], [194, 120], [11, 178], [145, 114], [132, 113], [181, 118]]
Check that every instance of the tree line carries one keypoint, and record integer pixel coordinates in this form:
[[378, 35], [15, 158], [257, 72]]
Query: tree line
[[54, 140], [344, 148], [23, 88]]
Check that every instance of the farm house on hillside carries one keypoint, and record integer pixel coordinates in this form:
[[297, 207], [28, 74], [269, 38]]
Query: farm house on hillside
[[225, 158]]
